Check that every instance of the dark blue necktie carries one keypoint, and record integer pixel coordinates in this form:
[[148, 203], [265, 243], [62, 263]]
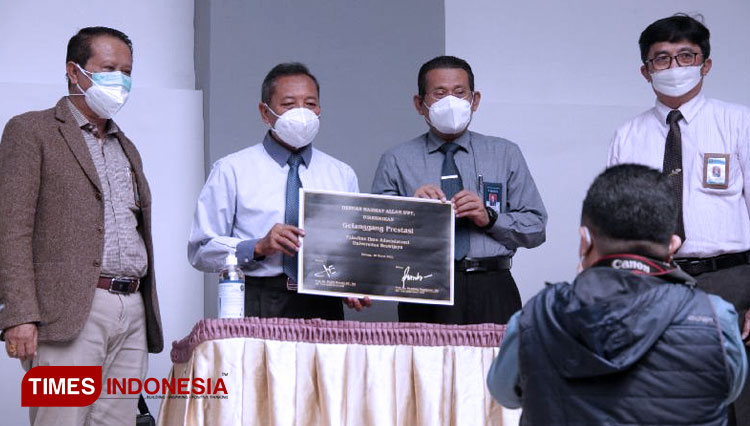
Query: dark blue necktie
[[291, 214], [451, 184]]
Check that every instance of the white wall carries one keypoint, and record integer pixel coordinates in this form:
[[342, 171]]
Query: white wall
[[163, 117], [557, 77]]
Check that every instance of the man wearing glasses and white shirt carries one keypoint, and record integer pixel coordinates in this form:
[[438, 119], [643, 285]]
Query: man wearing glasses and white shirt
[[703, 145], [497, 205]]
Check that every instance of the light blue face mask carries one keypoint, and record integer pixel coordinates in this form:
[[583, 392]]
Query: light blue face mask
[[111, 78], [108, 92]]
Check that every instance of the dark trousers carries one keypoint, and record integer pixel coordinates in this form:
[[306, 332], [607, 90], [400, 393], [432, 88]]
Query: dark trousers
[[268, 297], [479, 297], [732, 285]]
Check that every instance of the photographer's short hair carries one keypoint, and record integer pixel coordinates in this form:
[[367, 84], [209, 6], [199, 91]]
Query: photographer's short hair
[[674, 29], [631, 202]]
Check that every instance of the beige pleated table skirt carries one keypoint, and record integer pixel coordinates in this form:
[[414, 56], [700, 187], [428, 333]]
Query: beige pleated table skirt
[[284, 372]]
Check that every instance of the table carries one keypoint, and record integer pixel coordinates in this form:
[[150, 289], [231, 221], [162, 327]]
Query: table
[[279, 371]]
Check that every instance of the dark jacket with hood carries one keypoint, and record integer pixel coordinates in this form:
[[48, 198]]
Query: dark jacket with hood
[[621, 348]]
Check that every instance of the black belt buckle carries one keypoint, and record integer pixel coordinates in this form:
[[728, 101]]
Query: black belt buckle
[[291, 285], [473, 265], [121, 285], [696, 267], [698, 263]]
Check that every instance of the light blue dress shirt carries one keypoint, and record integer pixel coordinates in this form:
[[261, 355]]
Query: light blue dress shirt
[[244, 196]]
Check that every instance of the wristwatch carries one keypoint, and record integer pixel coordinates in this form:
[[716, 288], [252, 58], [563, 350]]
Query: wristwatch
[[492, 214]]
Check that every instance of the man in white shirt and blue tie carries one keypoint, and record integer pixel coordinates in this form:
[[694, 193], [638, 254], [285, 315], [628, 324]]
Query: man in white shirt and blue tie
[[249, 203], [703, 146]]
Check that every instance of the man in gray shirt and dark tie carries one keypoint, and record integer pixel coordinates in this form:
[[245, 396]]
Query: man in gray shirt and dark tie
[[498, 207]]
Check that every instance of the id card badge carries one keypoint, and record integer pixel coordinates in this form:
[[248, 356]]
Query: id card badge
[[716, 171], [493, 195]]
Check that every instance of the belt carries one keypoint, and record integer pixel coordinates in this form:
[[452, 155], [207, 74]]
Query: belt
[[484, 264], [119, 285], [698, 265], [278, 282]]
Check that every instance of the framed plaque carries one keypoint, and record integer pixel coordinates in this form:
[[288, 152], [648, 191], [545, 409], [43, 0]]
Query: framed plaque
[[381, 246]]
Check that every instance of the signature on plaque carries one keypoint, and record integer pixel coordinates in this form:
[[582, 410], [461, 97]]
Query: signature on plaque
[[408, 277]]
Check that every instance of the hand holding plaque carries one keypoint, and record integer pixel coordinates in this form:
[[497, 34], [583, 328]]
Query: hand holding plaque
[[468, 204], [280, 238]]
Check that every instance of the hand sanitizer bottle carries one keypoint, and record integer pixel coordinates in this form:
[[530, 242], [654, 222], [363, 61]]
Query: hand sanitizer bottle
[[231, 290]]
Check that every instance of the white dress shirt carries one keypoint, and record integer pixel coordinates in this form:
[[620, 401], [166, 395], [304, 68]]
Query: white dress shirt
[[716, 220], [244, 196]]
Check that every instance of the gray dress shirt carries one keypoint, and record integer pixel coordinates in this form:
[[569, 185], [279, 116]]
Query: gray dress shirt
[[521, 214], [124, 250]]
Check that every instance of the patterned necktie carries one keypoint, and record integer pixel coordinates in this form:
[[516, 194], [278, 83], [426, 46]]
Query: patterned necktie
[[291, 214], [673, 165], [451, 183]]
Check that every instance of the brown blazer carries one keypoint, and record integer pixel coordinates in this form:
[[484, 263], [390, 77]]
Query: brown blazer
[[51, 227]]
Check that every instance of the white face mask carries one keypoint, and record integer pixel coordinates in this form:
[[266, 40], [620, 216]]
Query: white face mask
[[450, 115], [297, 127], [108, 92], [676, 81]]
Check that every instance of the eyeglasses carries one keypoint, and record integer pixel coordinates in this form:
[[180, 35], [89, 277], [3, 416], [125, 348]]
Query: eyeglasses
[[684, 59], [460, 92]]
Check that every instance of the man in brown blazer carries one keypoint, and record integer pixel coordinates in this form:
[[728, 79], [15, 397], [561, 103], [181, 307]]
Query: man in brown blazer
[[76, 258]]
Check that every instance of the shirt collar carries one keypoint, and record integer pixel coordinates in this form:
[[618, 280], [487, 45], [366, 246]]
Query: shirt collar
[[689, 109], [84, 123], [281, 155], [434, 142]]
